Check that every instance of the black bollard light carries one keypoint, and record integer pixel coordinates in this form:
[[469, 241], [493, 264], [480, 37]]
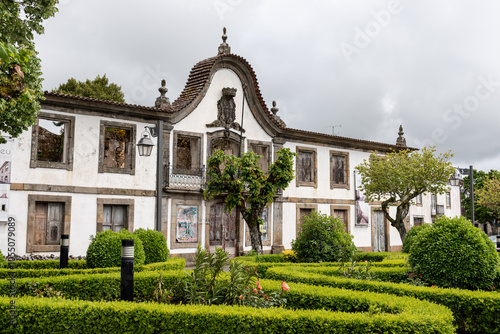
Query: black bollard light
[[63, 255], [127, 279]]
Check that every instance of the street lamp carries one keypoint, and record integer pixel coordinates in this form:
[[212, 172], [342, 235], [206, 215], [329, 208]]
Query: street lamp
[[454, 180], [145, 147], [145, 144]]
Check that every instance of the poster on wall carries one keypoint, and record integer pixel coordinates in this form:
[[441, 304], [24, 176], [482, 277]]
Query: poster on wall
[[263, 226], [362, 207], [187, 227], [5, 172]]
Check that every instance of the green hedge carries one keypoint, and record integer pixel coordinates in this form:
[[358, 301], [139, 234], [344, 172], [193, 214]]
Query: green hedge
[[48, 264], [386, 274], [327, 310], [171, 264], [92, 287], [371, 256], [473, 311]]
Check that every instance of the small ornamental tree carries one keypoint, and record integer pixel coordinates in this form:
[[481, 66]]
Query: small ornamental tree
[[398, 177], [105, 249], [155, 245], [246, 187], [99, 88]]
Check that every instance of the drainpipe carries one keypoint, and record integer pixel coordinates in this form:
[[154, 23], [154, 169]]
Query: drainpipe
[[159, 176]]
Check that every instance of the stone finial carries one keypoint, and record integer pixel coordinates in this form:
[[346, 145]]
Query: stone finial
[[162, 101], [224, 48], [401, 141], [274, 110]]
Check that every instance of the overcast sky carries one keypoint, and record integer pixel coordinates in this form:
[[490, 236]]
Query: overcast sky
[[358, 68]]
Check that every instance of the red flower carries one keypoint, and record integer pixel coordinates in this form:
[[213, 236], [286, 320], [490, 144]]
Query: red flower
[[284, 286]]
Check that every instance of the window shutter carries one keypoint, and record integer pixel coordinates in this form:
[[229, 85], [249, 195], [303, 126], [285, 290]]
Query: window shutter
[[55, 214], [40, 223]]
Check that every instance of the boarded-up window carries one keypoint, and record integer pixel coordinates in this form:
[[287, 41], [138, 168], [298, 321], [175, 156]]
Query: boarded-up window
[[187, 153], [117, 148], [343, 216], [114, 217], [52, 140], [229, 147], [417, 221], [338, 164], [263, 151], [48, 223], [305, 166]]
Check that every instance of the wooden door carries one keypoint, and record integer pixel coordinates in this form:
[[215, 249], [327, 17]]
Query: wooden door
[[48, 223], [342, 215], [223, 229], [379, 232]]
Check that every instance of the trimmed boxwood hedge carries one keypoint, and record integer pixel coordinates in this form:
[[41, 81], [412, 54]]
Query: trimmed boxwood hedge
[[473, 311], [311, 312], [171, 264], [48, 264]]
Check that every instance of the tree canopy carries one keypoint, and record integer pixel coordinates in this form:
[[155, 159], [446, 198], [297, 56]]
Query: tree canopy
[[488, 198], [482, 214], [396, 178], [20, 71], [246, 187], [99, 88]]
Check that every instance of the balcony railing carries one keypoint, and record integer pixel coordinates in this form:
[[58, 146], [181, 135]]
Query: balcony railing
[[185, 179]]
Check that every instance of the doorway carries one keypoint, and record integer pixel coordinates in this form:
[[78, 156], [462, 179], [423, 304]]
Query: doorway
[[379, 232], [223, 232]]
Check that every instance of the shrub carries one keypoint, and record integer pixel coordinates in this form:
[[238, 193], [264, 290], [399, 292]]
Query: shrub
[[453, 253], [3, 261], [155, 245], [322, 239], [105, 249], [289, 255], [410, 236]]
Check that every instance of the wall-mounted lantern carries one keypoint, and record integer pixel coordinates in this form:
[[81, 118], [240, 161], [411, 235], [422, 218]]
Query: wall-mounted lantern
[[145, 144]]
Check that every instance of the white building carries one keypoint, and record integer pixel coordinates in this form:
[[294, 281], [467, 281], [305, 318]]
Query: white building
[[78, 171]]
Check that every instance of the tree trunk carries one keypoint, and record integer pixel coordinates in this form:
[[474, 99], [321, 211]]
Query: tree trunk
[[255, 236], [398, 222]]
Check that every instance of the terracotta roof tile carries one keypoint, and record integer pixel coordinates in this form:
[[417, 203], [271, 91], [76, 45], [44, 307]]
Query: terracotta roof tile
[[89, 99]]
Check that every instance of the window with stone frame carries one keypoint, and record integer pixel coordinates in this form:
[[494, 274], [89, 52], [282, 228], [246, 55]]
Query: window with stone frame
[[115, 214], [187, 149], [339, 169], [264, 151], [417, 221], [306, 167], [52, 141], [418, 199], [48, 218], [343, 215], [114, 217], [117, 148], [448, 199]]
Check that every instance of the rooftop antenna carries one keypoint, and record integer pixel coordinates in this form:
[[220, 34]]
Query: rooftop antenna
[[335, 126]]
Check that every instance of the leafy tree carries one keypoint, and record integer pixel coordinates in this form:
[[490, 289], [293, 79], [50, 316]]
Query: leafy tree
[[99, 88], [398, 177], [20, 71], [246, 187], [482, 213], [488, 197]]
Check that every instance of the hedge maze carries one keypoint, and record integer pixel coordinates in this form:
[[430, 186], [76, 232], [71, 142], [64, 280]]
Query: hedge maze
[[320, 300]]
